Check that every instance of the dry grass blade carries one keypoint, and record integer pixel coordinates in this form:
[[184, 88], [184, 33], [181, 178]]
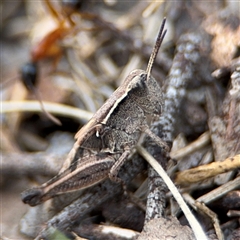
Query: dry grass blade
[[203, 208], [214, 219], [197, 229], [54, 108], [206, 171], [220, 191], [202, 141]]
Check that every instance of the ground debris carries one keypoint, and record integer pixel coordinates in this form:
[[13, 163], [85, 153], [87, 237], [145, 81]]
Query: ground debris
[[82, 53]]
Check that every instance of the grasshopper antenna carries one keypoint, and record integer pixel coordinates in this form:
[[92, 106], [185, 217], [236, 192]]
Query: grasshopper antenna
[[157, 46]]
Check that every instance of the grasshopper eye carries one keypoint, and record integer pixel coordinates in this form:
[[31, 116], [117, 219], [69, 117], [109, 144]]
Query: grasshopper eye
[[143, 76], [139, 88]]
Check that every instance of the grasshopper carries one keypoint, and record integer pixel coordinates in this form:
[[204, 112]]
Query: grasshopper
[[105, 142]]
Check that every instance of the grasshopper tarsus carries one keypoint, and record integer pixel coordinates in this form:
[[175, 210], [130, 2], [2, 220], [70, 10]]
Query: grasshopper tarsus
[[32, 196]]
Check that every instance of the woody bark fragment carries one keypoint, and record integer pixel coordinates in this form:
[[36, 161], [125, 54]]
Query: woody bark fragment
[[224, 128], [183, 71]]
